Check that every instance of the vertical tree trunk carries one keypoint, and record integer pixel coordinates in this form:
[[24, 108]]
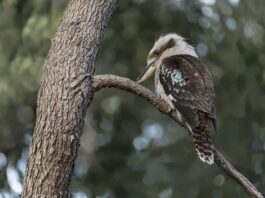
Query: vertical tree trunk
[[64, 96]]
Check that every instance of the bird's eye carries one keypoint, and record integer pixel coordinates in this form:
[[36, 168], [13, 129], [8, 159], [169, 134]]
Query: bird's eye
[[156, 53]]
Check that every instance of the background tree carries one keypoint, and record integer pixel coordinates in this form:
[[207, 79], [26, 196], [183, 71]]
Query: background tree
[[141, 163]]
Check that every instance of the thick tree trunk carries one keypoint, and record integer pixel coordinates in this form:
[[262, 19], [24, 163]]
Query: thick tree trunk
[[64, 95]]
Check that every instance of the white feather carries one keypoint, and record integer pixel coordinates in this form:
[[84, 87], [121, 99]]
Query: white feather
[[210, 159]]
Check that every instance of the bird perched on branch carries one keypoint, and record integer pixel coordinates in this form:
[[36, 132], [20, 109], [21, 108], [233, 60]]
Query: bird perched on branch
[[187, 86]]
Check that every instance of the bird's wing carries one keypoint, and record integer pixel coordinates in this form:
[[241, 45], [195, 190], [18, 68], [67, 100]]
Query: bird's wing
[[189, 86]]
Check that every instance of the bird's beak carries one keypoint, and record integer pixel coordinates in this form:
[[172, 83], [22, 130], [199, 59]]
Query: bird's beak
[[148, 71]]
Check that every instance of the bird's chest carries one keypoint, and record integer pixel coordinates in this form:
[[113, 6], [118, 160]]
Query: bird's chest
[[158, 87], [160, 90]]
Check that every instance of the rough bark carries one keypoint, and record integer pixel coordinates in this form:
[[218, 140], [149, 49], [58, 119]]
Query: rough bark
[[101, 81], [63, 98]]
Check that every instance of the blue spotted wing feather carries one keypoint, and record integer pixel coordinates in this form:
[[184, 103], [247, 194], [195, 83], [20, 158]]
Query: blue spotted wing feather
[[190, 84]]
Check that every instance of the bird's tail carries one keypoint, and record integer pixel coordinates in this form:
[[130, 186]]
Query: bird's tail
[[203, 143]]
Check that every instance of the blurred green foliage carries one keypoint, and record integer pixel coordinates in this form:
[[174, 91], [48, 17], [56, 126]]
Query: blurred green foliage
[[128, 148]]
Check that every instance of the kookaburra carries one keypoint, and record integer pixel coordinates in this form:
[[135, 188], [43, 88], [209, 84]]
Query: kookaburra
[[187, 86]]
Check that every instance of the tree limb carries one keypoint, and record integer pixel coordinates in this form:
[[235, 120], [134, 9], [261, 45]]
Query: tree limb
[[102, 81]]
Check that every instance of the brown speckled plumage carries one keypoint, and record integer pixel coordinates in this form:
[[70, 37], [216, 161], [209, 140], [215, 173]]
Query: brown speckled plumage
[[189, 85], [186, 85]]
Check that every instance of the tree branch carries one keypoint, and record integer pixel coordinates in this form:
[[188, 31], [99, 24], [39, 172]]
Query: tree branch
[[102, 81]]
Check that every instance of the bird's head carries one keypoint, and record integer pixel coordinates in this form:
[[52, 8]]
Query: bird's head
[[167, 45]]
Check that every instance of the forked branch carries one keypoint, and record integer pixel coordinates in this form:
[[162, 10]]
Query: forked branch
[[101, 81]]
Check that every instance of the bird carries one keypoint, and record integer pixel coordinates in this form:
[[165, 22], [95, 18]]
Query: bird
[[186, 84]]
